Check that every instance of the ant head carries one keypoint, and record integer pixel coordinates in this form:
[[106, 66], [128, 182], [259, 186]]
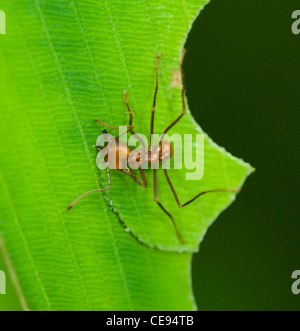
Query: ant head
[[104, 140]]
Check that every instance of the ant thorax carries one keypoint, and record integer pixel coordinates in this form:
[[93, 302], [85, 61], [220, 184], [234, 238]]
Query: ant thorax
[[153, 155], [160, 152]]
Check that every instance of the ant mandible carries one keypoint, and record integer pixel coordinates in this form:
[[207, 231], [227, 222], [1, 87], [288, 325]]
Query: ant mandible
[[158, 153]]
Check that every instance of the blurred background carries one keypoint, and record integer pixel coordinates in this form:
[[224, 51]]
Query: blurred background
[[242, 74], [242, 71]]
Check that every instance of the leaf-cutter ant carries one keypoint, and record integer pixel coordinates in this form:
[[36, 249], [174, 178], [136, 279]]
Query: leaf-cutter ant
[[152, 154]]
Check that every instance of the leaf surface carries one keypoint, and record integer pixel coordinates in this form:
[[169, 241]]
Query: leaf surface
[[63, 64]]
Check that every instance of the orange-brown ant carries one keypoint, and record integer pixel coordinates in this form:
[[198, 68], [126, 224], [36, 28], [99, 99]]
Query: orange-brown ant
[[156, 154]]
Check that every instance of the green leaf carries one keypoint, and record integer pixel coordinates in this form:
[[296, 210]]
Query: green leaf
[[63, 64]]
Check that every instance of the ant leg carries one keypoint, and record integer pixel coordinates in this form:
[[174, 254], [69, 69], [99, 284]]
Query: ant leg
[[164, 210], [155, 96], [128, 108], [144, 180], [131, 121], [99, 190], [198, 195], [179, 117], [130, 127], [130, 117], [183, 101]]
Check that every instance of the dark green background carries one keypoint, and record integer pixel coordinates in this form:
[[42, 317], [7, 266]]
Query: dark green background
[[242, 71], [242, 74]]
